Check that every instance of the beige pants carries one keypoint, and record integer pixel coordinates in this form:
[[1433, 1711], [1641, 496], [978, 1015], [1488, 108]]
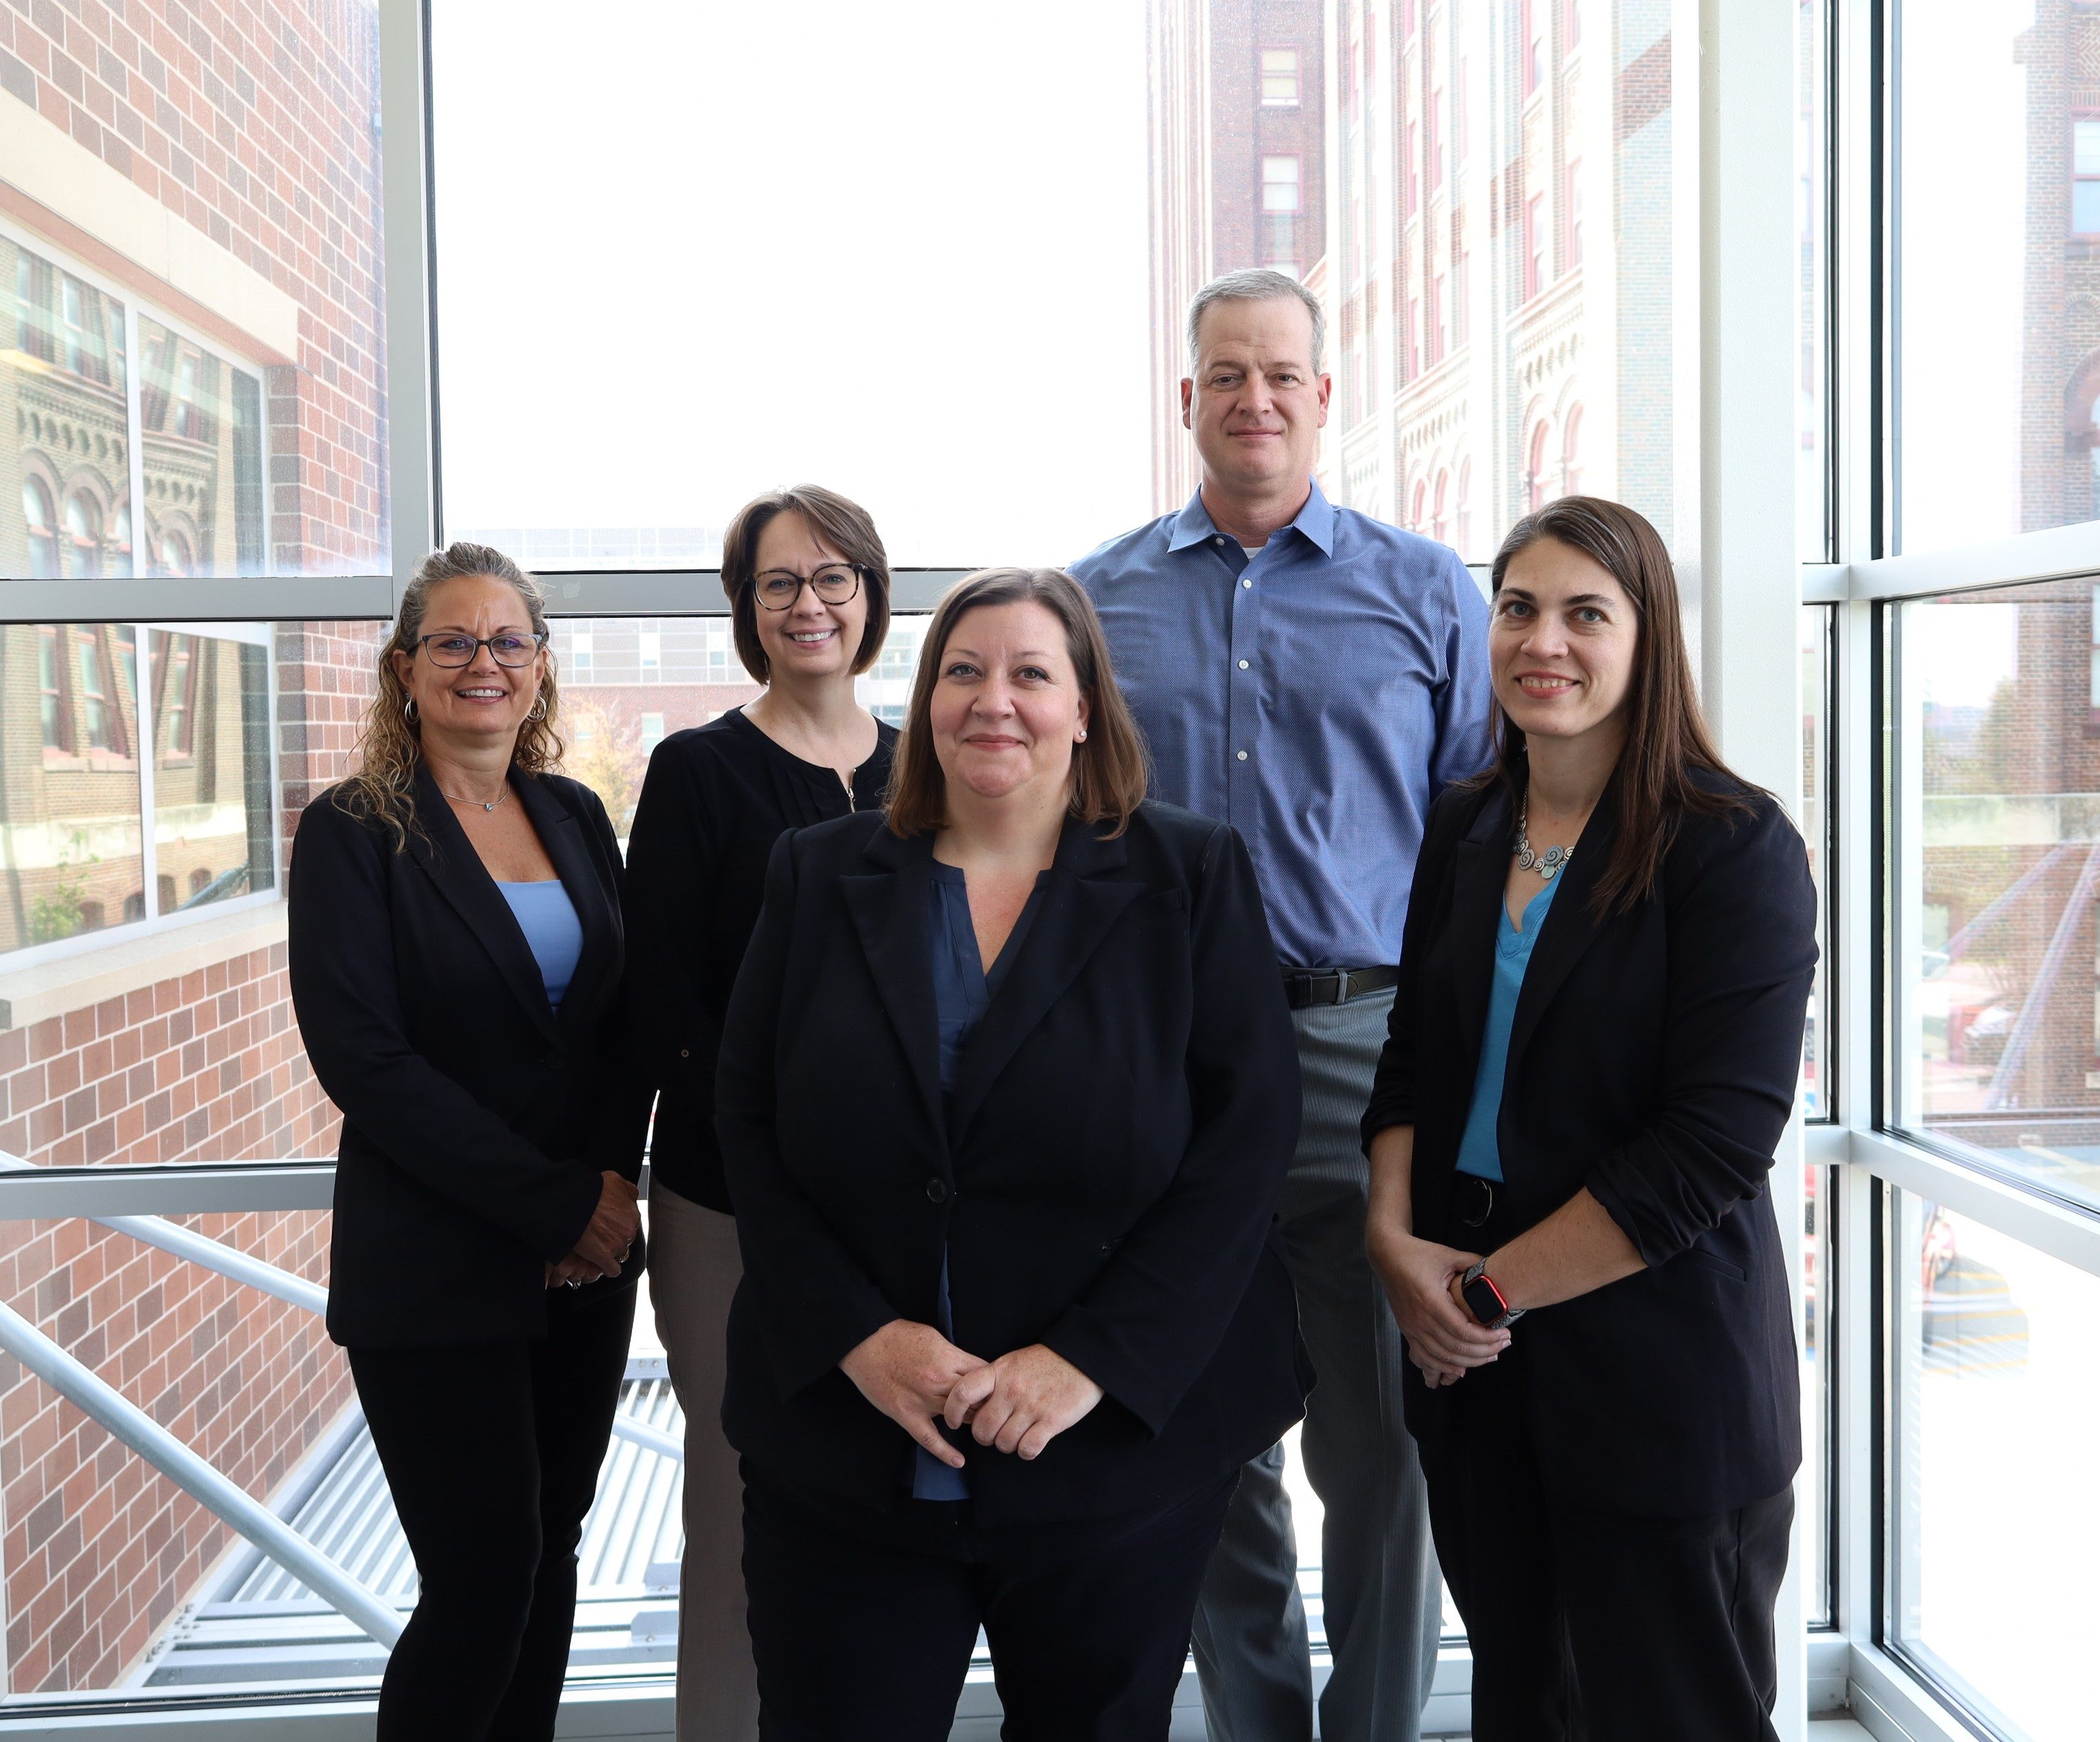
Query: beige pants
[[694, 1268]]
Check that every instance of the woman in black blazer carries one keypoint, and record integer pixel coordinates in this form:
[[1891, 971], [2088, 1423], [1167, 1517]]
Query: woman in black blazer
[[1010, 1319], [808, 591], [1570, 1148], [456, 949]]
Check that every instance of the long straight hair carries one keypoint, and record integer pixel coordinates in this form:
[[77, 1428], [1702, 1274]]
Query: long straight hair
[[1667, 740]]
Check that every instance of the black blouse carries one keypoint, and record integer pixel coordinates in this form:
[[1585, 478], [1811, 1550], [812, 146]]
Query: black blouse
[[716, 799]]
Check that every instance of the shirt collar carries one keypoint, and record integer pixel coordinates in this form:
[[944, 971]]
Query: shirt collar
[[1315, 520]]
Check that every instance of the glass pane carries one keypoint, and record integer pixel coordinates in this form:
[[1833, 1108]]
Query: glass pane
[[1815, 1489], [1816, 624], [69, 815], [166, 1042], [1997, 752], [121, 1584], [628, 682], [1996, 336], [866, 329], [1813, 173], [200, 423], [1502, 323], [65, 472], [221, 194], [211, 770], [1997, 1378]]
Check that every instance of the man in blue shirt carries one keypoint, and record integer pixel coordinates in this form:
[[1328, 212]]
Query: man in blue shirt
[[1314, 677]]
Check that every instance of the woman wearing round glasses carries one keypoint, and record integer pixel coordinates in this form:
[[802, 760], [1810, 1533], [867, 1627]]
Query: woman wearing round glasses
[[808, 591], [456, 955]]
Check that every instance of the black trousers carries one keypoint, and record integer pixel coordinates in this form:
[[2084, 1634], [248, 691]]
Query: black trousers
[[863, 1623], [492, 1454], [1595, 1626]]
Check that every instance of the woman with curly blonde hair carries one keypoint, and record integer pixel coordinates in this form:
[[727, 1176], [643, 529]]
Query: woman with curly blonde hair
[[456, 947]]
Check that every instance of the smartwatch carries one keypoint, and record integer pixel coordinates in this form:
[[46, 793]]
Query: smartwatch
[[1485, 1301]]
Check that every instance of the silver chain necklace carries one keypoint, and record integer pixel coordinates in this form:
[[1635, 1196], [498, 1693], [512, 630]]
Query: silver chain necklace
[[1548, 864], [494, 802]]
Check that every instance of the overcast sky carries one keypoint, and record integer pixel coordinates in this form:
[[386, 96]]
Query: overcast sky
[[687, 252]]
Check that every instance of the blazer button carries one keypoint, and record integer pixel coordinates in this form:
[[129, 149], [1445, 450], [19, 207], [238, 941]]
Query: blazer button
[[937, 1191], [685, 1052]]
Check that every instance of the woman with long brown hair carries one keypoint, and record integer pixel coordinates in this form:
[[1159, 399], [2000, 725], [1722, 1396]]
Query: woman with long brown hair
[[1593, 1054], [1007, 1090], [456, 950]]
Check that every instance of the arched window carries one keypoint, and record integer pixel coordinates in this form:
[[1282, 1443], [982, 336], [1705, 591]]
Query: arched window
[[1571, 452], [175, 554], [1415, 521], [1535, 494], [1463, 530], [83, 539], [43, 530], [1440, 522]]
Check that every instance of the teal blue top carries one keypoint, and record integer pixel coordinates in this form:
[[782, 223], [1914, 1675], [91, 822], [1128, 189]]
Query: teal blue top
[[1479, 1152], [548, 917]]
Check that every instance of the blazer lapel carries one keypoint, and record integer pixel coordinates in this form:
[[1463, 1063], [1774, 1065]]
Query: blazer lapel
[[1476, 906], [1568, 928], [890, 909], [448, 859], [561, 834], [1081, 900]]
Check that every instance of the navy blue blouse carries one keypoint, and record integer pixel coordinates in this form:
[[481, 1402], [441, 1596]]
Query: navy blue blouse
[[963, 991]]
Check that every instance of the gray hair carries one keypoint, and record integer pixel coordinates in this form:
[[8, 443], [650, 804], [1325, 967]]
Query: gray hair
[[1255, 285]]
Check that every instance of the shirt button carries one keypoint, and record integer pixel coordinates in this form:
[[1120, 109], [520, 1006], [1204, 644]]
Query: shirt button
[[1243, 665], [1245, 582], [937, 1191], [1243, 755]]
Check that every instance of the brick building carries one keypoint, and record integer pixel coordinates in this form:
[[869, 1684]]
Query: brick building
[[192, 382], [1237, 112], [1496, 272]]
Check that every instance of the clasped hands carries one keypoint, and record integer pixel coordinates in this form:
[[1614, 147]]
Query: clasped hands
[[1444, 1341], [606, 1239], [1019, 1403]]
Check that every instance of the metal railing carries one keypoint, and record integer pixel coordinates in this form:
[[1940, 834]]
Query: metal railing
[[227, 1500]]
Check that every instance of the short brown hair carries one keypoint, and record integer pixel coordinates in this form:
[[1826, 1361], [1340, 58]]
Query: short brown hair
[[845, 526], [1109, 771], [1666, 736]]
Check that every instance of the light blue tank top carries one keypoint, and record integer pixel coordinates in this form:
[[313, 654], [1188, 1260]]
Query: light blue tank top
[[1478, 1151], [548, 918]]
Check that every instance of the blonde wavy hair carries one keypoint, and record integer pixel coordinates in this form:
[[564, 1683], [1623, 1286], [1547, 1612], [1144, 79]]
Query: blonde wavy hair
[[389, 749]]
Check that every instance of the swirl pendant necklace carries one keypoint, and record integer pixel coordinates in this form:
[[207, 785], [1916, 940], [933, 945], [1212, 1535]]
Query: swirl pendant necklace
[[1548, 864]]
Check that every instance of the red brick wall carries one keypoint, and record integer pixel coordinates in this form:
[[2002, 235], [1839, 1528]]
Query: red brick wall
[[255, 124], [100, 1550], [96, 1550]]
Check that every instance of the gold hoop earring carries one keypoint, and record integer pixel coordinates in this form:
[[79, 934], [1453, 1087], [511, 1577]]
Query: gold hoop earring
[[539, 708]]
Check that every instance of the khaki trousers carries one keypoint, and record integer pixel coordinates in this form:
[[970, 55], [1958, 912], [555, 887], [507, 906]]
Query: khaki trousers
[[694, 1269]]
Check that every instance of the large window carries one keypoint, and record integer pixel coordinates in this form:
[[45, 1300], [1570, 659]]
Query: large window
[[1997, 329], [1997, 821], [887, 279]]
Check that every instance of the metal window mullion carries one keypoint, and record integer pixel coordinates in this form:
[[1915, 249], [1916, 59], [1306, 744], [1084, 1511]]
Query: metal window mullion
[[135, 437], [411, 286], [142, 676]]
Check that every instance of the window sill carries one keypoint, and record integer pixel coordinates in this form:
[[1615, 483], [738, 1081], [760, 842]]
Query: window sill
[[82, 979]]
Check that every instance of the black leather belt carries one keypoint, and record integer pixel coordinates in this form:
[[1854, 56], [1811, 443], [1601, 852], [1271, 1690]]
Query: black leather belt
[[1301, 989]]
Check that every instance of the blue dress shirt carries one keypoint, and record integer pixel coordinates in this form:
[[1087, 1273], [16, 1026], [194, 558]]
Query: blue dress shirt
[[548, 917], [1317, 697], [1479, 1150]]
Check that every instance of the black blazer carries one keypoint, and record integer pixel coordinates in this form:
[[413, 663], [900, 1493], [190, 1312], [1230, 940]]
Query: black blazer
[[1106, 1180], [716, 798], [1654, 1058], [475, 1120]]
